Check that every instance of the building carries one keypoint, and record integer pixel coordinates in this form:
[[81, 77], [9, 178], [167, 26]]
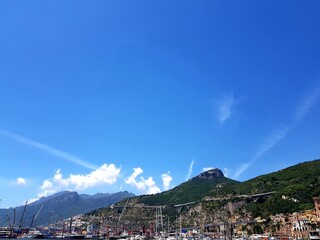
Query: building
[[317, 205]]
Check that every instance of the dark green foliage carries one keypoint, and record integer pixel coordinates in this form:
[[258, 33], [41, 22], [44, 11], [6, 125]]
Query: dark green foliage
[[272, 206], [193, 190], [301, 177], [297, 184]]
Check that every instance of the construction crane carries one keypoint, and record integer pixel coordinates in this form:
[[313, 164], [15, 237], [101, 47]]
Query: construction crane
[[10, 226], [14, 218], [122, 210], [34, 217], [21, 220]]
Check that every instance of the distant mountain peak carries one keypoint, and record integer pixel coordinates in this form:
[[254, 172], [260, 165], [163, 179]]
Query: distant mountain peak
[[65, 204], [211, 174]]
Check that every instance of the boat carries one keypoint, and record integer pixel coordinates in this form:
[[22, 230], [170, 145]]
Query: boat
[[35, 234], [74, 236], [314, 235], [7, 233]]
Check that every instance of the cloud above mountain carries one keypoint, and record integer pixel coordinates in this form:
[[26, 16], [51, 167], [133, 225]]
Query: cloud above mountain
[[105, 175], [166, 179], [146, 185]]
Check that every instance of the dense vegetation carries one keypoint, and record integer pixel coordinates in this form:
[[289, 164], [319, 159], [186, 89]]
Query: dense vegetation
[[293, 187], [193, 190], [300, 181]]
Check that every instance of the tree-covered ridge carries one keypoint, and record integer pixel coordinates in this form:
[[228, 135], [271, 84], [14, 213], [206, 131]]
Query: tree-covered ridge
[[301, 181], [294, 188], [193, 190]]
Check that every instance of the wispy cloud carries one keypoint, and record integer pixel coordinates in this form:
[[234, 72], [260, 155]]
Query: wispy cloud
[[47, 148], [226, 172], [190, 170], [105, 175], [267, 143], [148, 185], [241, 169], [305, 104], [166, 179], [270, 141], [223, 107]]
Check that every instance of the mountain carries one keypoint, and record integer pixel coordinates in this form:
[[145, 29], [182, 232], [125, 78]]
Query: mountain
[[211, 174], [193, 190], [59, 206], [211, 193], [137, 209]]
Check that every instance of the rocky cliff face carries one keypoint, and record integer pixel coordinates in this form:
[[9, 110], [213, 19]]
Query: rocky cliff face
[[211, 174]]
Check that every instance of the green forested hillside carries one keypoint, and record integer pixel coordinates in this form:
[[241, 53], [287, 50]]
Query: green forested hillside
[[300, 181], [193, 190], [293, 187]]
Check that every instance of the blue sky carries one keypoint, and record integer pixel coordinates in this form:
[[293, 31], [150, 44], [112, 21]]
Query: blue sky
[[106, 96]]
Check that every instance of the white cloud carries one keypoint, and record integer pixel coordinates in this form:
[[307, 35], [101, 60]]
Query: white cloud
[[166, 179], [241, 169], [207, 169], [306, 103], [21, 181], [48, 188], [190, 170], [223, 107], [226, 172], [46, 148], [148, 186], [105, 175], [47, 184], [267, 143], [270, 141], [32, 200], [131, 180]]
